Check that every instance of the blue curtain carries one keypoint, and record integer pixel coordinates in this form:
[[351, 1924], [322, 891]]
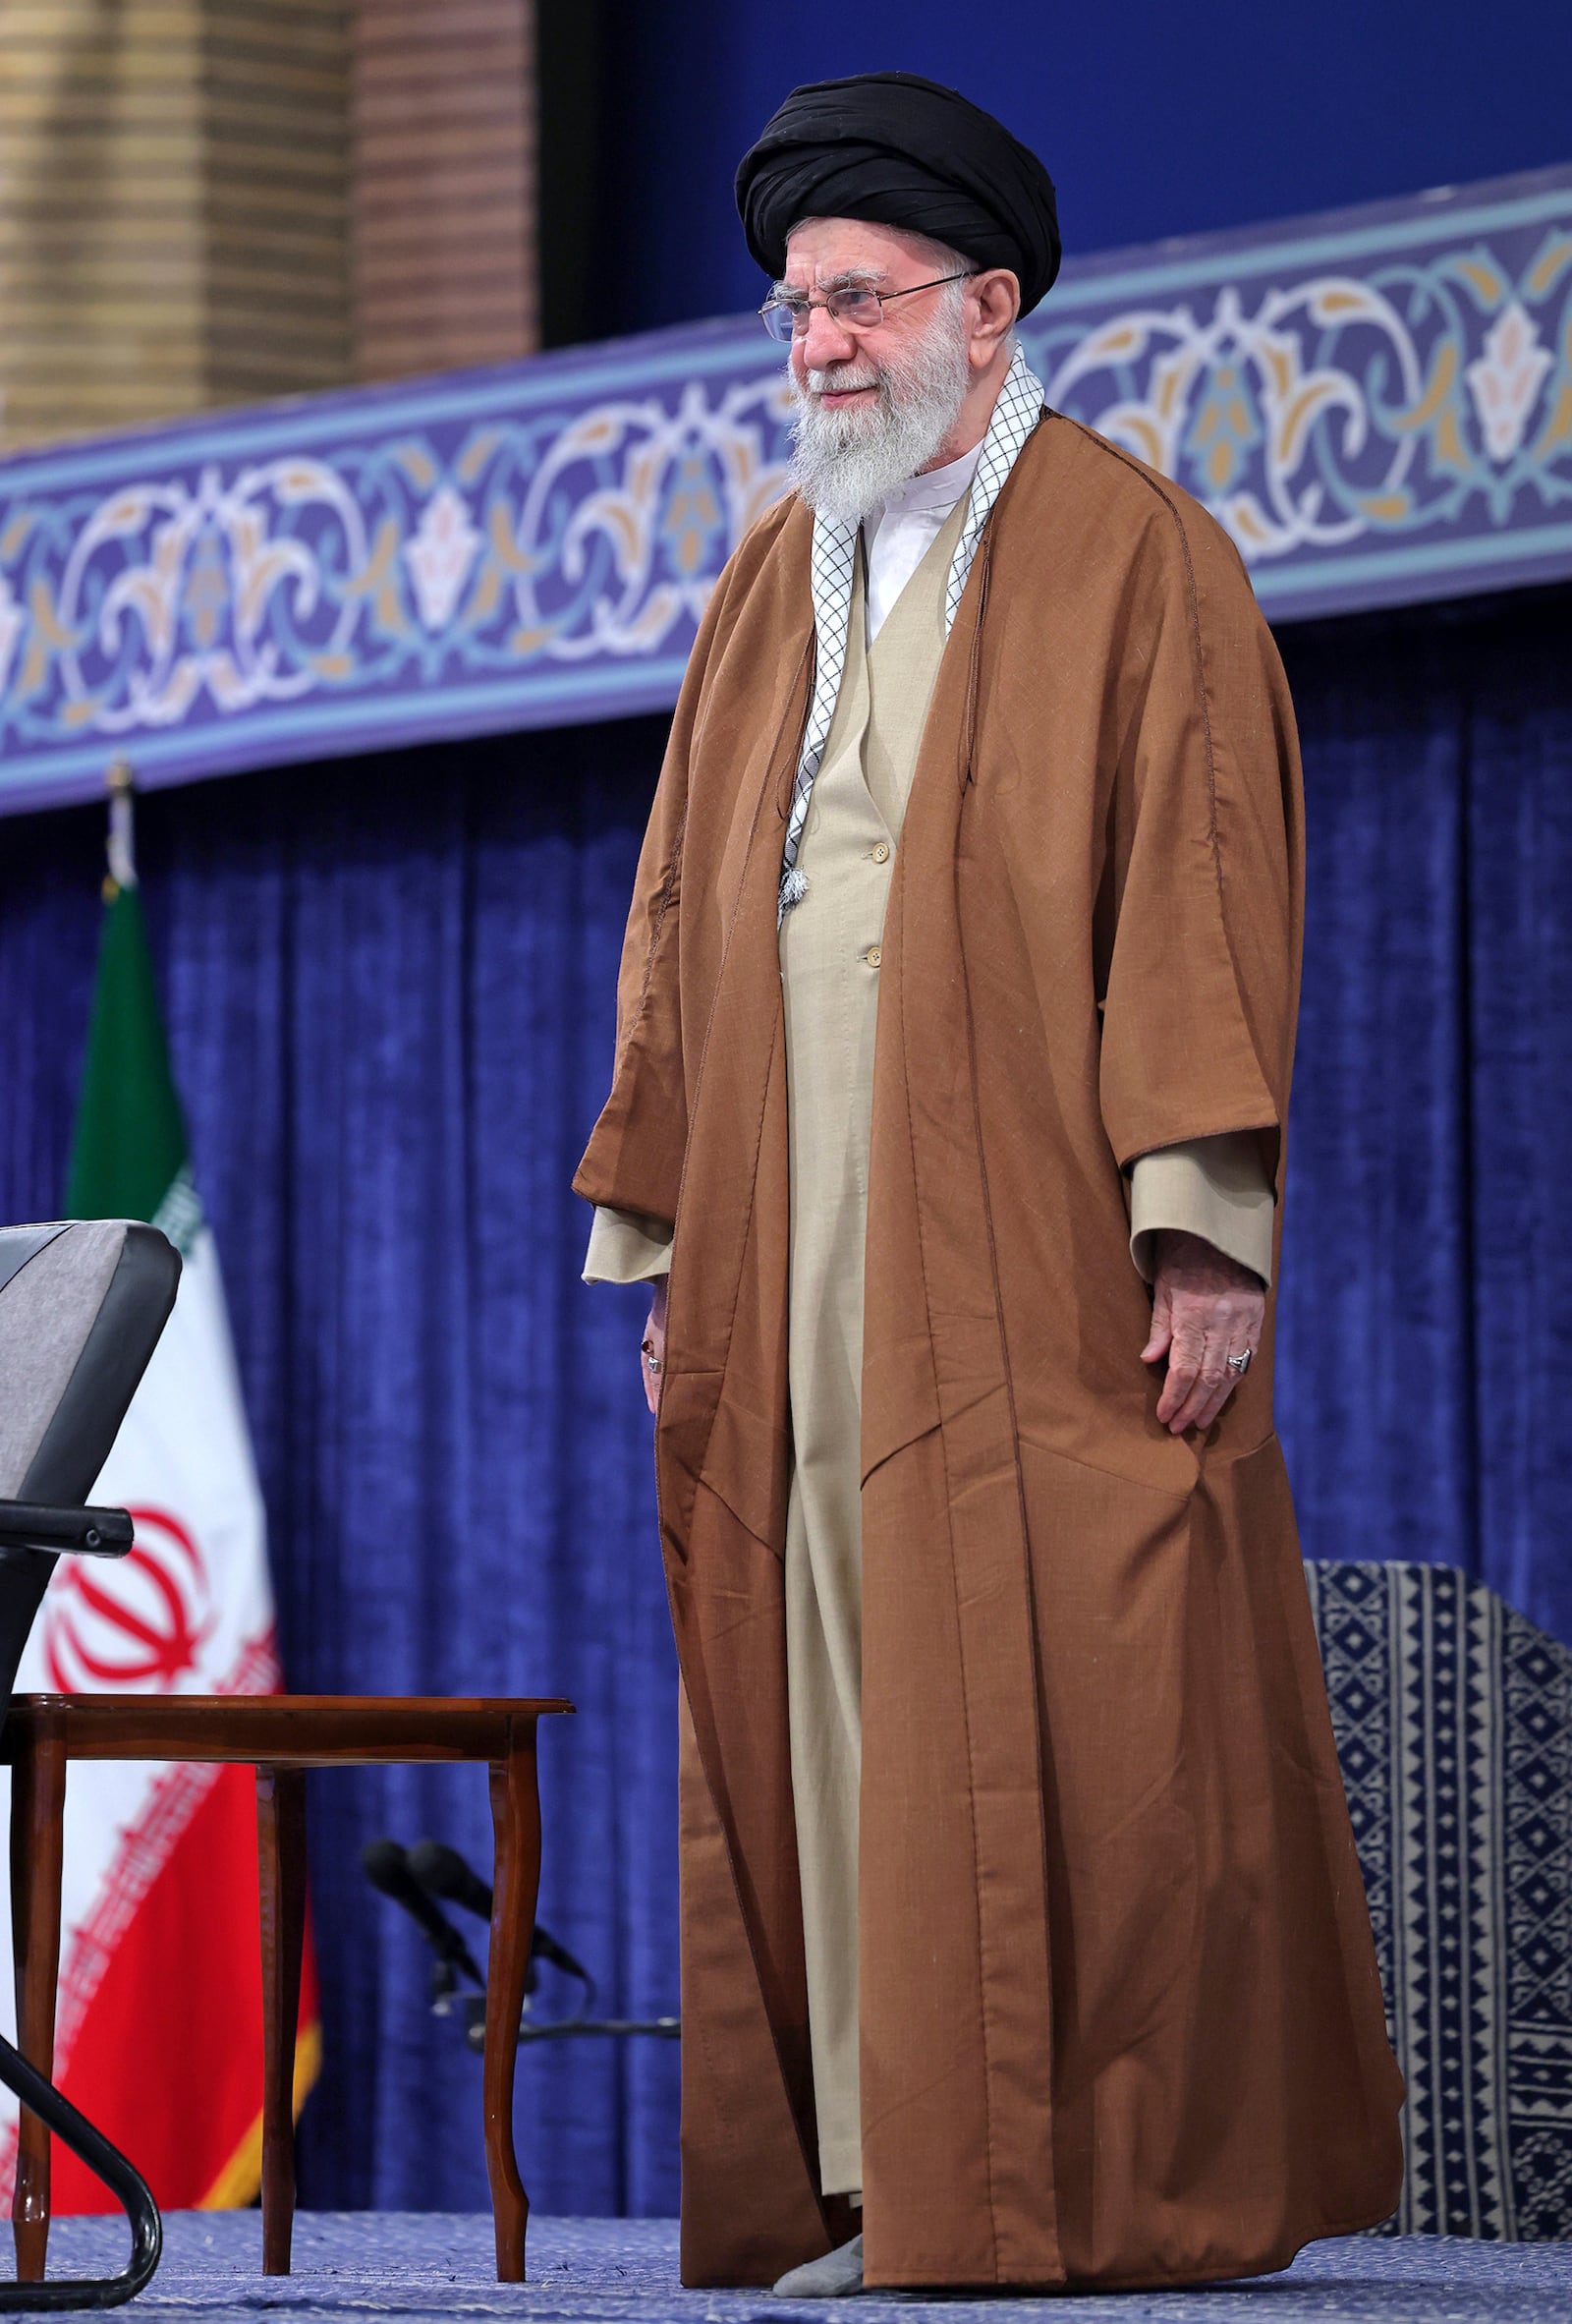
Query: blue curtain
[[389, 991], [1427, 1292], [388, 985]]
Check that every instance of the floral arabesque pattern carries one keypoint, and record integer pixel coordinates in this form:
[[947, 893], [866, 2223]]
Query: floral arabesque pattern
[[539, 544], [1340, 409]]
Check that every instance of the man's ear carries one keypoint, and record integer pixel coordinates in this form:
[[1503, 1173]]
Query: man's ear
[[997, 293]]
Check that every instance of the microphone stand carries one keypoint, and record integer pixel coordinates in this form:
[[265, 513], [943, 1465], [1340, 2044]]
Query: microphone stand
[[415, 1878]]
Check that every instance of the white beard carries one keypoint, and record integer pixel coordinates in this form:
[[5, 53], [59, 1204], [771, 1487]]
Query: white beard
[[846, 463]]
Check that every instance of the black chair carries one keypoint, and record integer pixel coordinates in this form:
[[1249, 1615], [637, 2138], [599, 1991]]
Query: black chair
[[82, 1307]]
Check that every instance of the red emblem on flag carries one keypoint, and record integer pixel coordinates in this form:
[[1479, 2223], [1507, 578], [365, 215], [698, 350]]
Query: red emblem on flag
[[139, 1622]]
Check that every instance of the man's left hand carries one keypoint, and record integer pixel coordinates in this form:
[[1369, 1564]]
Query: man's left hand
[[1205, 1308]]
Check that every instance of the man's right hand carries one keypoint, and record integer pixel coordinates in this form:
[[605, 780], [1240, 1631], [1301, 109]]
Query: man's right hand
[[652, 1351]]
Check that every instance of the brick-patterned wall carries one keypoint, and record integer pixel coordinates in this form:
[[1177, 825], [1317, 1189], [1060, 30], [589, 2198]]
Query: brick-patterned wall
[[101, 259], [444, 184], [208, 201], [277, 94]]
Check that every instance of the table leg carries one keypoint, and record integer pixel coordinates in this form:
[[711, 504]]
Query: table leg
[[281, 1876], [514, 1884], [37, 1823]]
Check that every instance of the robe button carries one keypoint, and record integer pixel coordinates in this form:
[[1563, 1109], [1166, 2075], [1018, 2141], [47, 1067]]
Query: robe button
[[881, 853], [873, 956]]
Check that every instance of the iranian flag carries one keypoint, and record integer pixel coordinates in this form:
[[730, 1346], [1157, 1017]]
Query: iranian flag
[[160, 2027]]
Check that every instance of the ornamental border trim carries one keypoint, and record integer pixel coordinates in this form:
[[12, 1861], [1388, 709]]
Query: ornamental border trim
[[1376, 404]]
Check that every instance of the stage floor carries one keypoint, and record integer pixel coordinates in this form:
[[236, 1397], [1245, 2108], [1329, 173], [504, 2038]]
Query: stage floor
[[605, 2271]]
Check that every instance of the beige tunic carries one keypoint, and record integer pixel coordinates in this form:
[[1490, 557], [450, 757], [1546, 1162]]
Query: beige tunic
[[829, 952]]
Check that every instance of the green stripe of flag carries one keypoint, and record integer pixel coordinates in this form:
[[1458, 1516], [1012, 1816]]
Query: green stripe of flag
[[129, 1142]]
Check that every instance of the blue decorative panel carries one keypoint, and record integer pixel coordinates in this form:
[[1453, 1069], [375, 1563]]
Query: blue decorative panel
[[1378, 404]]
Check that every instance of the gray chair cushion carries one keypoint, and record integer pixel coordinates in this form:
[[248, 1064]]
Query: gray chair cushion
[[82, 1307], [47, 1310]]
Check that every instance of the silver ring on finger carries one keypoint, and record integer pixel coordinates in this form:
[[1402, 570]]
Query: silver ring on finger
[[1240, 1364]]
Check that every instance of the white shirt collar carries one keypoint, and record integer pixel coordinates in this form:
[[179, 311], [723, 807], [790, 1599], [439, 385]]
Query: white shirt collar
[[901, 528], [934, 493]]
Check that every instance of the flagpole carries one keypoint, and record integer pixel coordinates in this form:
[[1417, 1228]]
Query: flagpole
[[122, 853]]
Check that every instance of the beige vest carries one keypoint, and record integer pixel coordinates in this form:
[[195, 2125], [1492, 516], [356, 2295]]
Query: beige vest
[[829, 952], [885, 689]]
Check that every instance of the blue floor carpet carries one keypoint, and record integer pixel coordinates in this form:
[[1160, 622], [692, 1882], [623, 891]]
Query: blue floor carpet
[[605, 2271]]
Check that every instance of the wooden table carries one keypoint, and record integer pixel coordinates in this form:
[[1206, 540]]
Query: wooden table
[[280, 1736]]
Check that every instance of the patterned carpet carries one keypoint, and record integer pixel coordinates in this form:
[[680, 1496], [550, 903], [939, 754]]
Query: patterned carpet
[[612, 2271]]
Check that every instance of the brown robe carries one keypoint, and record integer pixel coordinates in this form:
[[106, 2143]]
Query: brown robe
[[1121, 2021]]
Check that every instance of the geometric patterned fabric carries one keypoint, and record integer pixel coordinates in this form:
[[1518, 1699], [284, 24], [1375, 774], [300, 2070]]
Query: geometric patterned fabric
[[1453, 1718]]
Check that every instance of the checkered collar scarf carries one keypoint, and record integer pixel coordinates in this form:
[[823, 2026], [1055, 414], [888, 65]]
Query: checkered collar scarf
[[834, 564]]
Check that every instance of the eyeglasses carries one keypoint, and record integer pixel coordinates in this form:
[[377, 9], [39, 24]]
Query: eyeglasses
[[853, 308]]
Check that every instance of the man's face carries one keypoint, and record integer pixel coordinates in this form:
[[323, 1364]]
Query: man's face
[[874, 407], [841, 371]]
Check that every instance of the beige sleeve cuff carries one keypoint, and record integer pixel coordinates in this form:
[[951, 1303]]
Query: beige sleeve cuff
[[1213, 1187], [624, 1248]]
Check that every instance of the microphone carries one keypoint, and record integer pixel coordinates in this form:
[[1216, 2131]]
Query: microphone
[[386, 1867], [442, 1872]]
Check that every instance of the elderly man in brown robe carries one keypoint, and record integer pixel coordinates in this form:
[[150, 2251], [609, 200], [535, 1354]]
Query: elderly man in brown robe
[[1024, 1940]]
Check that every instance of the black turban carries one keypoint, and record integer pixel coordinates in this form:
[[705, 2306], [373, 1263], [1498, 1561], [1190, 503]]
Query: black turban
[[902, 151]]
